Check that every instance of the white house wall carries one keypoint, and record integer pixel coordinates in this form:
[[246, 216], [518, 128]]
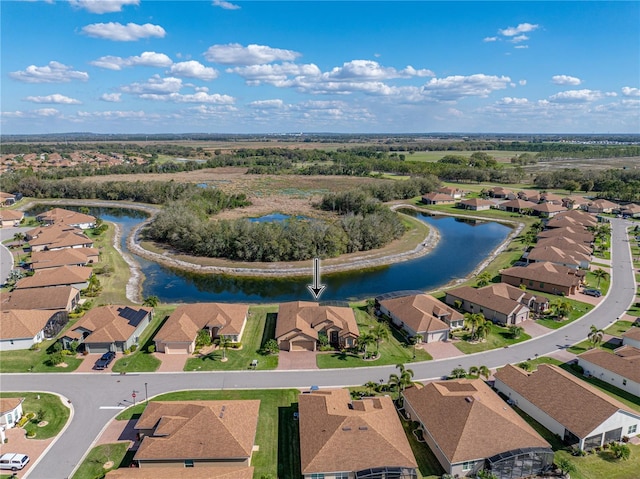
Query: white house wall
[[20, 343], [631, 342], [610, 377], [620, 419]]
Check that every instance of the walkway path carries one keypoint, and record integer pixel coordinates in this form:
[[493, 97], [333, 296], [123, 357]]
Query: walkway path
[[95, 396]]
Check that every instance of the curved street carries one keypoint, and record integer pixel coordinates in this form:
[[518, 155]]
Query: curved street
[[96, 397]]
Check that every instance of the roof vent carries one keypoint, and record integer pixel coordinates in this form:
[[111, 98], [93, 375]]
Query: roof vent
[[346, 428], [363, 428], [468, 399]]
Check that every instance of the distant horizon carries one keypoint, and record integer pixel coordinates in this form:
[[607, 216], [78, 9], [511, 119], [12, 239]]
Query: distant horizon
[[357, 67]]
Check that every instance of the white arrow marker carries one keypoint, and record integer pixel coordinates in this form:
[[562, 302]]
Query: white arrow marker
[[316, 288]]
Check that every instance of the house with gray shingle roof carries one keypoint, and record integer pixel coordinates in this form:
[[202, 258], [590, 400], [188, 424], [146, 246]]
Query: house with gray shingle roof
[[470, 428], [580, 414]]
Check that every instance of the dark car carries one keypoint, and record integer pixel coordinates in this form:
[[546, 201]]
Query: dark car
[[105, 360], [593, 292]]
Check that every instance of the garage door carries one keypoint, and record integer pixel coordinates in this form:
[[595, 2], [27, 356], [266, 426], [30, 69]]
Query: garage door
[[302, 345], [170, 348], [433, 337]]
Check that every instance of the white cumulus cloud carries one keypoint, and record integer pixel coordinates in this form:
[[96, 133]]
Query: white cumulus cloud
[[521, 28], [275, 103], [371, 70], [155, 85], [123, 33], [111, 97], [490, 39], [54, 72], [630, 91], [55, 98], [193, 69], [236, 54], [146, 59], [225, 5], [103, 6], [565, 80], [576, 96], [458, 86], [199, 97]]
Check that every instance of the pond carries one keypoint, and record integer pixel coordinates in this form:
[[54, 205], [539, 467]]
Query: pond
[[463, 245], [274, 218]]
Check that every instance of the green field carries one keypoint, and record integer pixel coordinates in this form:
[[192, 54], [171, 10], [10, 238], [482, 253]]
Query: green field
[[93, 465], [48, 407], [500, 156]]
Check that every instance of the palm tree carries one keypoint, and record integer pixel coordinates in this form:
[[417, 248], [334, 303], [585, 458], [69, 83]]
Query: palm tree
[[473, 320], [516, 331], [595, 335], [223, 343], [600, 274], [365, 340], [483, 329], [381, 332], [473, 370], [562, 308], [151, 301], [565, 465], [458, 373], [402, 380], [19, 237], [483, 279], [370, 386], [417, 339], [484, 371]]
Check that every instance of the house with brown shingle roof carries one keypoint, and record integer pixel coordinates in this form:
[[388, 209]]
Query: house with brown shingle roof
[[631, 337], [341, 437], [566, 221], [57, 298], [57, 236], [501, 192], [470, 428], [10, 218], [546, 277], [555, 255], [64, 257], [517, 206], [573, 202], [299, 323], [76, 276], [456, 193], [10, 411], [580, 414], [565, 244], [169, 472], [622, 368], [500, 303], [577, 234], [198, 434], [420, 314], [632, 210], [438, 199], [476, 204], [22, 328], [109, 328], [68, 217], [7, 198], [601, 206], [548, 210], [179, 332]]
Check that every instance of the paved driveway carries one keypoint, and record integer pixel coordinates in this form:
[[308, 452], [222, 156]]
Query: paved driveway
[[172, 363], [291, 360], [442, 350], [18, 443]]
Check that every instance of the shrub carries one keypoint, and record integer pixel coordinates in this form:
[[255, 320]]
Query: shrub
[[134, 347], [55, 358], [151, 348], [127, 351], [237, 345], [30, 429], [23, 420]]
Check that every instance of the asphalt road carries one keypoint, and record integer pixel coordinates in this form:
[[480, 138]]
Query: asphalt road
[[92, 391], [6, 259]]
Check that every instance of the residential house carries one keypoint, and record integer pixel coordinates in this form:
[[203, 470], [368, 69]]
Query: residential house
[[555, 255], [580, 414], [421, 314], [469, 428], [577, 235], [548, 210], [22, 329], [476, 204], [631, 337], [500, 303], [632, 210], [7, 199], [565, 244], [168, 472], [438, 199], [546, 277], [456, 193], [576, 219], [179, 332], [348, 439], [299, 324], [71, 218], [621, 369], [517, 206], [552, 198], [10, 412], [601, 206], [500, 192], [573, 202], [197, 434], [76, 276], [529, 195], [57, 236], [64, 257], [109, 328], [10, 218], [57, 298]]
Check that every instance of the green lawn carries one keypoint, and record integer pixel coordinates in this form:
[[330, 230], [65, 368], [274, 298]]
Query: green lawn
[[619, 327], [592, 282], [603, 465], [392, 351], [259, 329], [26, 360], [428, 465], [579, 310], [55, 413], [498, 337], [276, 426], [92, 466]]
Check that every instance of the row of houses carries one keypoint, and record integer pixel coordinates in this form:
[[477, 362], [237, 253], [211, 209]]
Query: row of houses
[[45, 161]]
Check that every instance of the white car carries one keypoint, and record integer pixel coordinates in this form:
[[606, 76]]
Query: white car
[[13, 461]]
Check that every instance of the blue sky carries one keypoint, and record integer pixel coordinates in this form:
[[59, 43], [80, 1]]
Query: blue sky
[[137, 66]]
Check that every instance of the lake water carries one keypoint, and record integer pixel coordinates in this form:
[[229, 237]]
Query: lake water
[[463, 245]]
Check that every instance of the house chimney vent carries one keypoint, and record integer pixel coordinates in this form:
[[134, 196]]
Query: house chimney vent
[[468, 399]]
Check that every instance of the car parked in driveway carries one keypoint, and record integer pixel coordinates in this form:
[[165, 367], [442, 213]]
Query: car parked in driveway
[[105, 360], [592, 292], [13, 461]]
